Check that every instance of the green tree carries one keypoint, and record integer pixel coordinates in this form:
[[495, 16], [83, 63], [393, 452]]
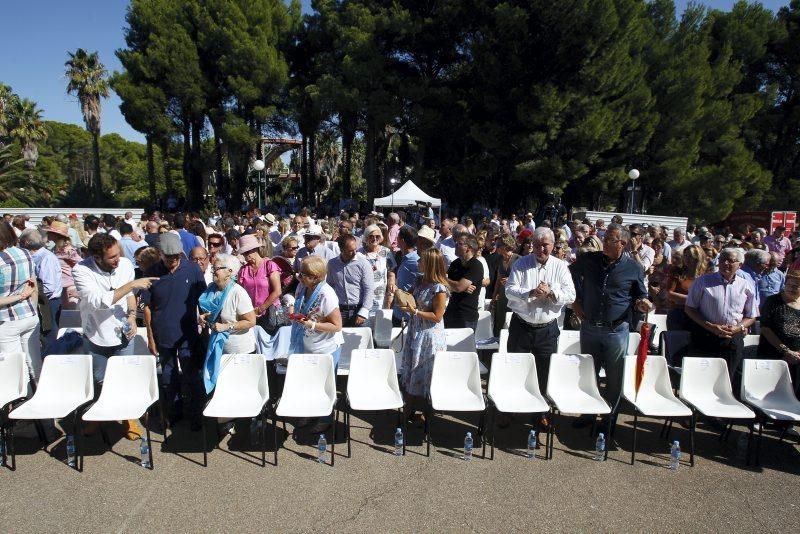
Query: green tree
[[87, 80], [27, 127]]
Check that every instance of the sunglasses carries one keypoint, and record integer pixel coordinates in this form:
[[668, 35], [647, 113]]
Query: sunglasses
[[305, 275], [214, 244], [215, 269]]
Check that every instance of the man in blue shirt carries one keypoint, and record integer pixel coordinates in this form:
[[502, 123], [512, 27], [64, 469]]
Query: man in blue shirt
[[408, 271], [761, 269], [170, 315], [608, 286], [129, 245]]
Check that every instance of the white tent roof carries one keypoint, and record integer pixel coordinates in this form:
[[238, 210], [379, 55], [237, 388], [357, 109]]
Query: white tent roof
[[407, 195]]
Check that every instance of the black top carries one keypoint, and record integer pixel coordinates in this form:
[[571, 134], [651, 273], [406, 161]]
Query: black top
[[607, 290], [784, 321], [464, 306]]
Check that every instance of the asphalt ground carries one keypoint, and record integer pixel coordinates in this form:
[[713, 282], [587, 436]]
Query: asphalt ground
[[375, 491]]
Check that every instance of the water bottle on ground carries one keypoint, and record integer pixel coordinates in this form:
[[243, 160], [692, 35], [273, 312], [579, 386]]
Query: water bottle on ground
[[398, 443], [468, 447], [532, 445], [71, 461], [322, 448], [675, 456], [600, 447], [144, 449]]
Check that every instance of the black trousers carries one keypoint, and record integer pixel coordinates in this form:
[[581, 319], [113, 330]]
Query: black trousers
[[541, 342]]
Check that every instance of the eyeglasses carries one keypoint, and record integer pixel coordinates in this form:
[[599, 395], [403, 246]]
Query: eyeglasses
[[729, 260], [215, 269], [291, 248], [375, 237], [198, 260], [306, 275], [214, 244]]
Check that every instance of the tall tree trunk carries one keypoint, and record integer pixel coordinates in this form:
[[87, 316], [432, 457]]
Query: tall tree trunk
[[98, 181], [151, 170], [369, 163], [194, 195], [187, 150], [347, 148], [165, 163], [221, 183], [312, 169], [304, 172]]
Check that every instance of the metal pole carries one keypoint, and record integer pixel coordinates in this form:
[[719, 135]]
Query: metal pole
[[633, 191]]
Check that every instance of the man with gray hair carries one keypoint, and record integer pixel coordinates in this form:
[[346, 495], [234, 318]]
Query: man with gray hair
[[761, 269], [722, 306], [447, 242], [679, 241], [48, 272], [466, 277], [538, 287]]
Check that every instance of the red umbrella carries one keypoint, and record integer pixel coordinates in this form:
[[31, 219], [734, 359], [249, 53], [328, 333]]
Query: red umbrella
[[641, 354]]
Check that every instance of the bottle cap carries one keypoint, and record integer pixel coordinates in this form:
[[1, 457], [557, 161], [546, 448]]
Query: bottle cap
[[398, 430], [675, 442], [469, 434], [601, 435]]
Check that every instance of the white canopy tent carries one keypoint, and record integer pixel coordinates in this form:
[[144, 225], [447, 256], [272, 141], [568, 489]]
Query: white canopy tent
[[407, 195]]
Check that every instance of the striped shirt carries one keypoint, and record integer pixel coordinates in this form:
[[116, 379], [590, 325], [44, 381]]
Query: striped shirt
[[723, 302], [16, 267]]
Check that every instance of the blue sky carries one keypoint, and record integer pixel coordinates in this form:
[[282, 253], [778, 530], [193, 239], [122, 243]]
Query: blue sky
[[35, 36]]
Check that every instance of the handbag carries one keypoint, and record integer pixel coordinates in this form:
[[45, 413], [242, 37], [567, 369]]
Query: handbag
[[271, 321], [404, 299]]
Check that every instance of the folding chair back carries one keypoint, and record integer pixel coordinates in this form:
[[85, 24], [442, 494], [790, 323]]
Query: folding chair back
[[705, 378], [354, 338], [130, 387], [242, 388], [456, 382], [310, 387], [633, 342], [569, 342], [373, 380], [655, 380], [572, 384], [767, 383], [751, 342], [14, 377], [513, 372], [66, 383], [484, 328], [382, 329], [503, 342], [460, 339]]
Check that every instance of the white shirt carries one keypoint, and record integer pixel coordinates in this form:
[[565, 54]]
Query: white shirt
[[316, 342], [482, 294], [675, 246], [526, 275], [645, 256], [447, 247], [237, 303], [102, 318]]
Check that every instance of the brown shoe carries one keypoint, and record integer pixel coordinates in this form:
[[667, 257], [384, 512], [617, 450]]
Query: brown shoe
[[132, 429]]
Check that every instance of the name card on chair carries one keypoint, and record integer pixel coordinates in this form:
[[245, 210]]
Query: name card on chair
[[704, 364], [574, 359], [311, 359], [68, 360], [133, 360], [372, 354], [513, 358], [764, 364], [455, 356], [242, 359]]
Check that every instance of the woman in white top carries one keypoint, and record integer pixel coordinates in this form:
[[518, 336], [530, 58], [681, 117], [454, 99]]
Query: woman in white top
[[317, 327], [238, 315], [383, 264]]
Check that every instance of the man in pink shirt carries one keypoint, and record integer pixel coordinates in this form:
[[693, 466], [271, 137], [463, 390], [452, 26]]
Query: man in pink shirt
[[778, 242]]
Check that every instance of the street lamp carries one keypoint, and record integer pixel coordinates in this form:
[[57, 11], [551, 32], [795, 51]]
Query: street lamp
[[393, 182], [258, 166], [633, 174]]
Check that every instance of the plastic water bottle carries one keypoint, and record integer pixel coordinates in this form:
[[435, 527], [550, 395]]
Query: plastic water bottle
[[675, 456], [600, 447], [322, 449], [532, 445], [468, 447], [398, 443], [144, 449], [71, 461]]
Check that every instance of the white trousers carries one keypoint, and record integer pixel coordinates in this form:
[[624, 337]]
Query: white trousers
[[22, 335]]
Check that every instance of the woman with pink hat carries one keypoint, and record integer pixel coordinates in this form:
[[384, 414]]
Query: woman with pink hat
[[68, 257], [261, 278]]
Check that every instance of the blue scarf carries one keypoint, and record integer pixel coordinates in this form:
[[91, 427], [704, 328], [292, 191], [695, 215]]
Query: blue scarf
[[304, 307], [211, 301]]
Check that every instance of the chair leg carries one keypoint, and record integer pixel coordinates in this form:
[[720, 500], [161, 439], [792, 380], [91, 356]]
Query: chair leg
[[41, 433], [428, 428], [493, 429], [105, 437], [663, 428], [760, 436], [692, 422], [333, 442], [263, 436], [275, 438], [347, 431], [669, 429], [481, 433], [749, 444], [612, 423], [205, 446], [633, 448]]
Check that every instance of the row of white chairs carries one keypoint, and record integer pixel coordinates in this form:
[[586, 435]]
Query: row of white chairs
[[130, 389]]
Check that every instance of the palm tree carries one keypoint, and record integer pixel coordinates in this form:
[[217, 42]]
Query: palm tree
[[87, 79], [14, 181], [7, 98], [27, 127]]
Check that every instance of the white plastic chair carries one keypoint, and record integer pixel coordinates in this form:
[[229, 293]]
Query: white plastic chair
[[706, 388], [65, 387], [463, 340], [483, 330], [655, 397], [372, 385], [767, 388], [455, 387], [503, 342], [633, 342], [70, 319], [354, 338], [14, 380], [242, 391], [660, 322], [507, 322], [560, 320], [514, 388], [309, 390], [130, 388], [569, 342], [572, 387], [751, 342], [382, 330]]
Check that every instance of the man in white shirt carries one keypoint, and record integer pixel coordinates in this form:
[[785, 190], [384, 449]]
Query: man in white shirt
[[538, 287], [679, 241], [447, 241], [105, 283]]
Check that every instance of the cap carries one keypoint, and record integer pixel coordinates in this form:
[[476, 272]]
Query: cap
[[170, 244]]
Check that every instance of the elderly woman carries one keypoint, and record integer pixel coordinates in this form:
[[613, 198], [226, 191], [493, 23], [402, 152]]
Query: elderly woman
[[426, 335], [317, 327], [687, 265], [19, 321], [780, 324], [261, 278], [506, 247], [228, 312], [383, 265], [68, 257]]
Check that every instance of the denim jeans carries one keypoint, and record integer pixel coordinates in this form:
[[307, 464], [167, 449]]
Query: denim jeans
[[100, 356], [608, 347], [178, 369]]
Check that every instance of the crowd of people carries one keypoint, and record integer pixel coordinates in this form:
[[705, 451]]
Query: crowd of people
[[200, 287]]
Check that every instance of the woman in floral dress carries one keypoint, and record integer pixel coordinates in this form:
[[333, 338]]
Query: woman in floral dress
[[426, 334]]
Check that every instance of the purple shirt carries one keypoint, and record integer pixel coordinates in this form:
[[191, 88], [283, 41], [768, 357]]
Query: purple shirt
[[781, 246], [723, 302]]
